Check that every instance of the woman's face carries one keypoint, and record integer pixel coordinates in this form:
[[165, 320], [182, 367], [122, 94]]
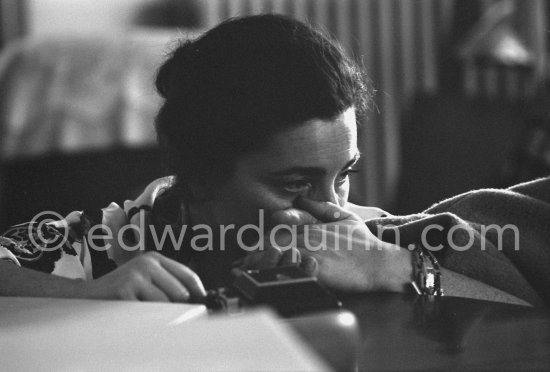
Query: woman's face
[[313, 159]]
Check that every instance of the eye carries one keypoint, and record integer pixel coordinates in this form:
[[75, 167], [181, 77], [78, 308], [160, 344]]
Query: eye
[[343, 177], [297, 186]]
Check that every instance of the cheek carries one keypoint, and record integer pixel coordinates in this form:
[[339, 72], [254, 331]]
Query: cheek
[[343, 194], [246, 205], [271, 202]]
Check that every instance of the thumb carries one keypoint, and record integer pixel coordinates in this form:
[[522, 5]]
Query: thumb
[[324, 211]]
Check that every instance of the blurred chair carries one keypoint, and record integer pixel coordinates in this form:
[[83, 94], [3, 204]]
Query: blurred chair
[[77, 121]]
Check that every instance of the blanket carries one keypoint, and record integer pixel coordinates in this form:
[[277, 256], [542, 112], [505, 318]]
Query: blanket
[[498, 237]]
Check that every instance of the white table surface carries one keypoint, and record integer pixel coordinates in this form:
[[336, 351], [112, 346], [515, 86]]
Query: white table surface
[[43, 334]]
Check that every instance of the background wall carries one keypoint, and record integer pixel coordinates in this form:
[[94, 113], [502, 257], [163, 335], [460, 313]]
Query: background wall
[[70, 16], [413, 50]]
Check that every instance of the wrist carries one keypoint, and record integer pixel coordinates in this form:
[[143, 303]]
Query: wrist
[[399, 271]]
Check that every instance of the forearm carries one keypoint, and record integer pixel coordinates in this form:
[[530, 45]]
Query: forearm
[[458, 285], [19, 281]]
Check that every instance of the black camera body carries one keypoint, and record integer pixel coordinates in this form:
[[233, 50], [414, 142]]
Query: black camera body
[[289, 290]]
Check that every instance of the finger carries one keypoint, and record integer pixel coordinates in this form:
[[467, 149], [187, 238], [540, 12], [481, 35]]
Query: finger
[[293, 216], [283, 238], [149, 292], [185, 275], [290, 257], [324, 211], [167, 283], [236, 272], [265, 259], [126, 293], [310, 265]]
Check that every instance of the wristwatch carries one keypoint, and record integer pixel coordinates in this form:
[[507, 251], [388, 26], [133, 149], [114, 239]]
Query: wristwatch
[[426, 273]]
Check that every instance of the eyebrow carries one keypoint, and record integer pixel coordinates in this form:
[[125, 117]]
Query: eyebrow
[[314, 171]]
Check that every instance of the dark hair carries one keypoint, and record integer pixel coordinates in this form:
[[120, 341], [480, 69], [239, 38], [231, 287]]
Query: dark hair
[[235, 86]]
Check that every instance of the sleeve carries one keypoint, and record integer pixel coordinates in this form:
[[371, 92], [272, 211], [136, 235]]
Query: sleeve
[[84, 244], [48, 243]]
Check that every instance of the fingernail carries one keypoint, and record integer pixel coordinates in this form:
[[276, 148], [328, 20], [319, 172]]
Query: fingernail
[[185, 294], [310, 265]]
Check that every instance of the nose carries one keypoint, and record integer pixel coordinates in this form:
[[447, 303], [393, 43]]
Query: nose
[[324, 193]]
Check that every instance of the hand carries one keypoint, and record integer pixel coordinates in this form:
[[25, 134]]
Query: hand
[[350, 258], [275, 249], [150, 277], [267, 258], [273, 256]]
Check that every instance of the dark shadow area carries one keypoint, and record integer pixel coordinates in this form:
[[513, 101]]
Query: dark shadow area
[[63, 183]]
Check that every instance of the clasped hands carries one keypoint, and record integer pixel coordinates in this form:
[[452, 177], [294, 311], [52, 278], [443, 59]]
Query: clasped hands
[[333, 244]]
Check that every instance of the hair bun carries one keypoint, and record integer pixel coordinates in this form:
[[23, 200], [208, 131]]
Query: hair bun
[[171, 72]]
